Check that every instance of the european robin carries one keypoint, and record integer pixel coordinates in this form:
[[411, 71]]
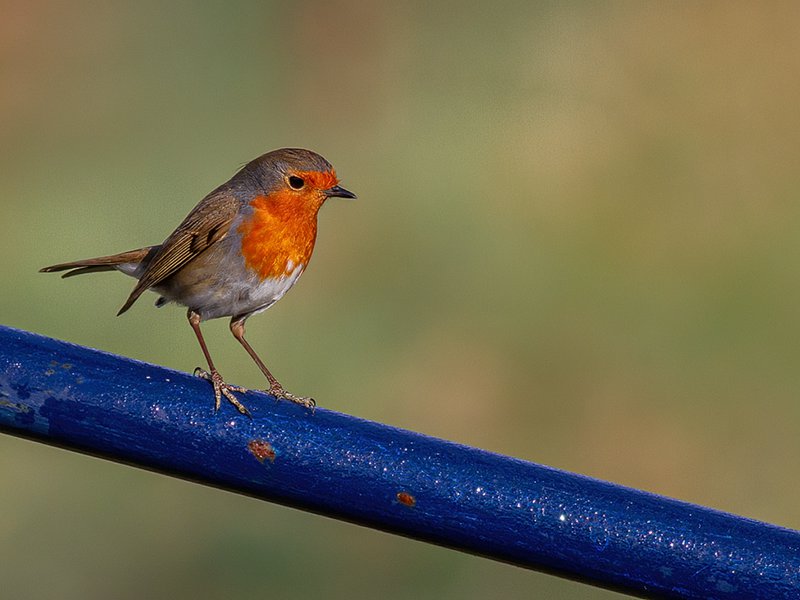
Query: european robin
[[236, 253]]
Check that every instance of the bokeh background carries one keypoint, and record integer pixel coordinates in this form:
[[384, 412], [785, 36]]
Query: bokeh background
[[577, 242]]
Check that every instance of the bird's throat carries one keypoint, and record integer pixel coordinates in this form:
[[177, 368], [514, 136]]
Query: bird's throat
[[280, 235]]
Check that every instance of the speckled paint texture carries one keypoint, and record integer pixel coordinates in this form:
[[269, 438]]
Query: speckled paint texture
[[390, 479]]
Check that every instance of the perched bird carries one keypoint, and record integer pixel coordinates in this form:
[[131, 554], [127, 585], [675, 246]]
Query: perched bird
[[236, 253]]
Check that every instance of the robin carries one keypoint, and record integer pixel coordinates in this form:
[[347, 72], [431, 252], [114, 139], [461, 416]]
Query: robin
[[236, 253]]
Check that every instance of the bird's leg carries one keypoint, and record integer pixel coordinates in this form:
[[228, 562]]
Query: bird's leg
[[220, 387], [275, 388]]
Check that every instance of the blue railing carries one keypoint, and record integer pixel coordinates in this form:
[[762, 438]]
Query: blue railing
[[390, 479]]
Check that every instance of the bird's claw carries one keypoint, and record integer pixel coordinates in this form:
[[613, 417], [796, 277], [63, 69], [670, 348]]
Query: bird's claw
[[281, 394], [223, 389]]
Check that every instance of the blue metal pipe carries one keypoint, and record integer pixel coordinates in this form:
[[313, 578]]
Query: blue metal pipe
[[399, 481]]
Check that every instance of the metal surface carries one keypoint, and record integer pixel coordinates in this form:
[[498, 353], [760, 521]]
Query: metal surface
[[387, 478]]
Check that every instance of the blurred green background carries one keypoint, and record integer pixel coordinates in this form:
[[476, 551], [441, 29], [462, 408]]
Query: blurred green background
[[576, 242]]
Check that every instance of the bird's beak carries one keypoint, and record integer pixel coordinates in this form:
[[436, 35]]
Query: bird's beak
[[339, 192]]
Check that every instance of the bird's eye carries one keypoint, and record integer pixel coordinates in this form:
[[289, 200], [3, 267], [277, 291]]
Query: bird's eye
[[296, 183]]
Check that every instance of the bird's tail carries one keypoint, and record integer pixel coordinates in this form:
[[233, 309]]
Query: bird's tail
[[105, 263]]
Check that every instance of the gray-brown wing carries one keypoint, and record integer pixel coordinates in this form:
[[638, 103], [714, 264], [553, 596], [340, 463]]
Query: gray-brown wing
[[208, 223]]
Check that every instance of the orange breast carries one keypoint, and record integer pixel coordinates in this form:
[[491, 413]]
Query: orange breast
[[280, 235]]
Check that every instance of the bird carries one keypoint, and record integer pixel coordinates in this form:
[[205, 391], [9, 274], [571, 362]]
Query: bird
[[235, 254]]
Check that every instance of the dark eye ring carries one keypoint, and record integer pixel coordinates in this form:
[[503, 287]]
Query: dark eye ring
[[296, 183]]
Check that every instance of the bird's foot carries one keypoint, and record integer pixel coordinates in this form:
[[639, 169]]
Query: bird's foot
[[277, 390], [223, 389]]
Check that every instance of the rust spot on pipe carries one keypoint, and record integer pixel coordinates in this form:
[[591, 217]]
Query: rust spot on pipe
[[262, 450], [406, 499]]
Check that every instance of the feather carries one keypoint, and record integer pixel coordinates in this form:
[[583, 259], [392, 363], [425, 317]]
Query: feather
[[208, 223]]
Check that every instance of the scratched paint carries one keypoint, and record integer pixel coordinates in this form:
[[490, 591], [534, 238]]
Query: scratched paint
[[406, 499], [262, 450]]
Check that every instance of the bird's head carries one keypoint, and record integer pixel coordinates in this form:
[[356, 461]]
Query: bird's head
[[294, 177]]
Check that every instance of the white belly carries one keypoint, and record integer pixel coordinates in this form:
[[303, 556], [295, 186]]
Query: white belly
[[235, 296]]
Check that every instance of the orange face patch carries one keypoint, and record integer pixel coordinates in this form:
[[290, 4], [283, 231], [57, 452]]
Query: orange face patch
[[280, 234], [318, 180]]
